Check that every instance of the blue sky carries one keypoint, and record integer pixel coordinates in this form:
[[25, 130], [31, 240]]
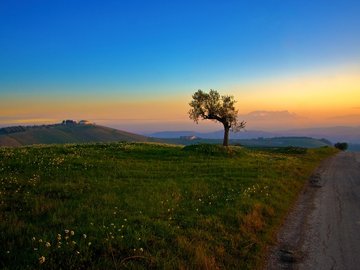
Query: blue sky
[[146, 49]]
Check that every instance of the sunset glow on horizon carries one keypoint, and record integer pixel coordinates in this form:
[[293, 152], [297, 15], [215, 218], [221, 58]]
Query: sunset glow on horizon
[[134, 66]]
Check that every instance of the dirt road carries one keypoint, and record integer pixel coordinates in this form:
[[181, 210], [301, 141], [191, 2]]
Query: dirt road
[[323, 231]]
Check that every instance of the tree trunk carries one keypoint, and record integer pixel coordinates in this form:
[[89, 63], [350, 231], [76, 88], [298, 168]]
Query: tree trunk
[[226, 135]]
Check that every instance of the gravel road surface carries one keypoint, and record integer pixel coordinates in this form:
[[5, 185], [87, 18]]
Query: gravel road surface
[[323, 230]]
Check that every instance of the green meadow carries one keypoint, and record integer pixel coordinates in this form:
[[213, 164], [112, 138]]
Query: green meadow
[[145, 206]]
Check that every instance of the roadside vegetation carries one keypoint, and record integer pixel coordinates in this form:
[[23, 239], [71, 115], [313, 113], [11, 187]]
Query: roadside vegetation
[[343, 146], [145, 206]]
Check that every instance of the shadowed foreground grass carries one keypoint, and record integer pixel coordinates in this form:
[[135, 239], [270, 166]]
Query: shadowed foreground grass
[[144, 206]]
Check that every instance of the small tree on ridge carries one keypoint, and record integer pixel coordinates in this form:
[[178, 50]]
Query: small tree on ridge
[[218, 108]]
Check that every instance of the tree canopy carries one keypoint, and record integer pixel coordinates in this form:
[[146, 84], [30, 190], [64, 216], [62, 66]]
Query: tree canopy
[[218, 108]]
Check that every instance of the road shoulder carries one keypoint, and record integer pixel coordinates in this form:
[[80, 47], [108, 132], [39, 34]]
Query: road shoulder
[[288, 253]]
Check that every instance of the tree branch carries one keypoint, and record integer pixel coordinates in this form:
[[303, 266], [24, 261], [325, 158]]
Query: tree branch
[[214, 117]]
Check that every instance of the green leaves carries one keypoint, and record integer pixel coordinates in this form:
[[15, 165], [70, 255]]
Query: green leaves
[[214, 107]]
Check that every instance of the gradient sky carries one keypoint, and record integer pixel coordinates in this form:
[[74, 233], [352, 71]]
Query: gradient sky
[[134, 64]]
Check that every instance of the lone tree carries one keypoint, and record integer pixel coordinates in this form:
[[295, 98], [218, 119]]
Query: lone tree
[[217, 108]]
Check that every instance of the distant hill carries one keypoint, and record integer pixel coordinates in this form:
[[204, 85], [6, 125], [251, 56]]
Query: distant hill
[[250, 134], [333, 134], [306, 142], [62, 133]]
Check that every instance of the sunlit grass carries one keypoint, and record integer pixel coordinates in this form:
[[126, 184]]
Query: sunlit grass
[[132, 205]]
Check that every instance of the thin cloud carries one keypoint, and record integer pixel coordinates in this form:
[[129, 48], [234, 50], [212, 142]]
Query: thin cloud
[[346, 117]]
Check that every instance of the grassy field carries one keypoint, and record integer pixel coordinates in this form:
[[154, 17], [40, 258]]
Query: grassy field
[[145, 206]]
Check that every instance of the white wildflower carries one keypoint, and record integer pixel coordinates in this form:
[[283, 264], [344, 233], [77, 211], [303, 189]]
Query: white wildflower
[[41, 259]]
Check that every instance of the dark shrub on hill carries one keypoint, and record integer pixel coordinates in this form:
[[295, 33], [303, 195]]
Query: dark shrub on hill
[[341, 145]]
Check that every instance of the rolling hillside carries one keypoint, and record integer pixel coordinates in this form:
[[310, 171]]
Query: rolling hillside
[[333, 134], [59, 134], [306, 142]]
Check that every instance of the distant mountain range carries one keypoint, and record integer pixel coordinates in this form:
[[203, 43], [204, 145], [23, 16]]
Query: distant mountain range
[[333, 134], [70, 132]]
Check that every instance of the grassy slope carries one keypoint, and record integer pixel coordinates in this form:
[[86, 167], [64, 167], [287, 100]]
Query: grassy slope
[[144, 205], [68, 134]]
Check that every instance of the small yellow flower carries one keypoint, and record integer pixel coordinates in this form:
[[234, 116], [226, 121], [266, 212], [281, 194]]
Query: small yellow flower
[[66, 231], [47, 244], [41, 259], [58, 236], [72, 232]]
